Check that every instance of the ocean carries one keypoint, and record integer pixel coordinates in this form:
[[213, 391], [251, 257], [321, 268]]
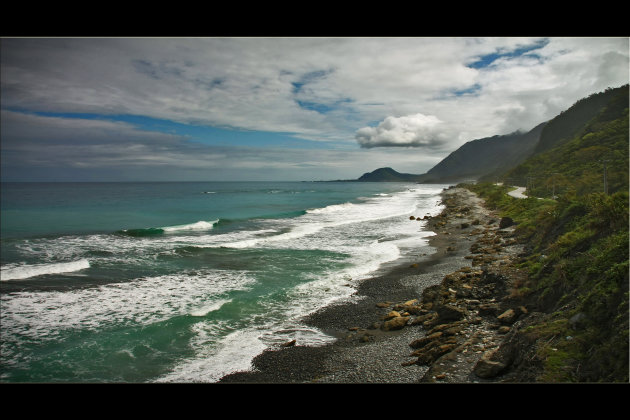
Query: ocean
[[186, 281]]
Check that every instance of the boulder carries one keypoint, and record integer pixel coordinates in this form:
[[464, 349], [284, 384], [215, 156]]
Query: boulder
[[507, 317], [447, 313], [486, 368], [391, 314], [421, 342], [430, 356], [488, 309], [395, 323], [289, 343], [505, 222]]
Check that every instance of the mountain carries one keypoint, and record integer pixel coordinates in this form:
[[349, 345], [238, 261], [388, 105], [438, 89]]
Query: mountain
[[388, 175], [568, 123], [576, 154], [590, 131], [487, 157]]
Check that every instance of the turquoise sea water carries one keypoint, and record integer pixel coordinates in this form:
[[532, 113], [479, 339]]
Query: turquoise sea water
[[185, 282]]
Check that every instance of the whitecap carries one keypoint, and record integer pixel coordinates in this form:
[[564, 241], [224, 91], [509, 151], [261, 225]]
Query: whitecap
[[26, 271], [201, 225]]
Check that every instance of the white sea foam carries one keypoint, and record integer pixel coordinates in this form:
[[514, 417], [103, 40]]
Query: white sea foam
[[26, 271], [206, 309], [334, 208], [142, 301], [201, 225], [215, 359]]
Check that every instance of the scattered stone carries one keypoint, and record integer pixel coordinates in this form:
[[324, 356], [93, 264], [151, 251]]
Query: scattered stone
[[395, 323], [383, 304], [421, 342], [424, 318], [488, 309], [503, 329], [505, 222], [488, 368], [450, 313], [391, 314], [508, 317], [412, 218], [289, 343]]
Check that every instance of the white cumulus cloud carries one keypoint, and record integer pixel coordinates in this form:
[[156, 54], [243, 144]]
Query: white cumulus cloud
[[417, 130]]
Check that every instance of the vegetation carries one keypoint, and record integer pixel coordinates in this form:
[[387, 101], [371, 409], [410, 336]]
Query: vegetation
[[576, 244], [594, 158]]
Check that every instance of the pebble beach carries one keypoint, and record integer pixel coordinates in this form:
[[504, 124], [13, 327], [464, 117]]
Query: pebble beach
[[469, 246]]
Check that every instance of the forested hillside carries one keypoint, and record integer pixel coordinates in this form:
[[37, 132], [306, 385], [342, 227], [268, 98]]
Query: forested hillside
[[594, 158], [576, 246]]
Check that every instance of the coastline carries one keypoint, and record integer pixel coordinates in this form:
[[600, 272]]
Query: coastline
[[364, 352]]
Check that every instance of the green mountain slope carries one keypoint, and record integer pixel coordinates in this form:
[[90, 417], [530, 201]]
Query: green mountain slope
[[485, 157], [570, 122], [594, 158], [576, 245]]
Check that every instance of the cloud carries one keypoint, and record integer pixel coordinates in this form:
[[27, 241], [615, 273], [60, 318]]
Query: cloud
[[325, 90], [416, 130]]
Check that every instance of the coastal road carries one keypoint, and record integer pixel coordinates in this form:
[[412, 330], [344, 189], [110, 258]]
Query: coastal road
[[518, 193]]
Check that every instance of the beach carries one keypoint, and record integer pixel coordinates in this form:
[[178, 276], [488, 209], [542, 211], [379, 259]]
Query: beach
[[472, 252]]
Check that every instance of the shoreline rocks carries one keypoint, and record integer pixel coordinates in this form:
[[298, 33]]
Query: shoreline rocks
[[452, 329]]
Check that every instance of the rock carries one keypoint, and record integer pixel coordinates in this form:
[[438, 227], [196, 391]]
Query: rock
[[421, 342], [391, 314], [505, 222], [289, 343], [488, 309], [383, 304], [465, 225], [424, 318], [448, 313], [395, 323], [412, 218], [486, 368], [503, 329], [508, 317], [430, 356]]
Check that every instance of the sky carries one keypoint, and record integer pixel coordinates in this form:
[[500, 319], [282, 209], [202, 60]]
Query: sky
[[278, 109]]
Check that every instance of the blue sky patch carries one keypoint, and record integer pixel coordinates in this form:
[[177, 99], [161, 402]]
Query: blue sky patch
[[487, 60], [214, 136]]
